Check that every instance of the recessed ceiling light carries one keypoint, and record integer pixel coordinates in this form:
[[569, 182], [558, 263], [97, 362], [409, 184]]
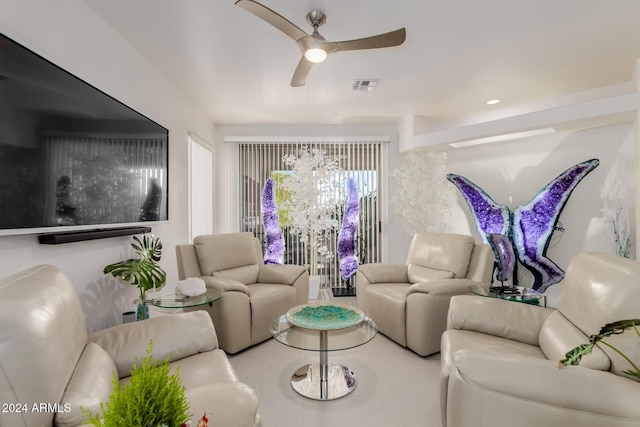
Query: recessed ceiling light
[[493, 101]]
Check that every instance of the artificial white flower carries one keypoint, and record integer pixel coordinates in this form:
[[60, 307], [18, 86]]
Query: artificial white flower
[[317, 194], [424, 195]]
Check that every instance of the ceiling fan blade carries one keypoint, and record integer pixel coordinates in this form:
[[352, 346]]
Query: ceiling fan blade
[[392, 38], [302, 70], [273, 18]]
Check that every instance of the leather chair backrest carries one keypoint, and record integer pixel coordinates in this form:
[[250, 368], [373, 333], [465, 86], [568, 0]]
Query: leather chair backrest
[[440, 251], [481, 265], [187, 258], [232, 255], [598, 289], [42, 336]]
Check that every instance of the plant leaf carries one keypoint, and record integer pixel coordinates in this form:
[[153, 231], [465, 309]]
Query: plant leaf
[[574, 356], [139, 272], [618, 327]]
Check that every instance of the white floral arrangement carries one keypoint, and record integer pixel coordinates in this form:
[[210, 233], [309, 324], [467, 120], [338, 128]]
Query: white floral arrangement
[[424, 196], [617, 198], [317, 193], [191, 287]]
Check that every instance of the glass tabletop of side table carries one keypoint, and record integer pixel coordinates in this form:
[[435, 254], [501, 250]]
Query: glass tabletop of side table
[[323, 380], [513, 293], [177, 300]]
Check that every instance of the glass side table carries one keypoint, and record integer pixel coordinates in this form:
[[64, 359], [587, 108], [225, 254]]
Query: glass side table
[[323, 380], [515, 293], [177, 300]]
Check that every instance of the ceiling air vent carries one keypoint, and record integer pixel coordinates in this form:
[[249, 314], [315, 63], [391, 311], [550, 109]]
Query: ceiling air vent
[[365, 84]]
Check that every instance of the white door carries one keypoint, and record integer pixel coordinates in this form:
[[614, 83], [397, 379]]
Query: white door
[[201, 187]]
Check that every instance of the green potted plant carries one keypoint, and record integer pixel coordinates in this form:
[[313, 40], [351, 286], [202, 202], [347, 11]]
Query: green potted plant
[[574, 356], [143, 272], [152, 398]]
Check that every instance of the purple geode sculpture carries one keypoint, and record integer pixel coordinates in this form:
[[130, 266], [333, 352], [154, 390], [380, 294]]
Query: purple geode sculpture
[[534, 223], [505, 257], [348, 231], [491, 218], [530, 227], [274, 251]]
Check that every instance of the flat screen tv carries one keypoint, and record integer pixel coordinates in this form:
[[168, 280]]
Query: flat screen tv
[[72, 157]]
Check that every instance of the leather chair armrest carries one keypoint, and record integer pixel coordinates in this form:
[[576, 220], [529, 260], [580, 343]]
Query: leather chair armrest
[[500, 318], [384, 273], [225, 285], [285, 274], [446, 287], [543, 384], [179, 335], [230, 403]]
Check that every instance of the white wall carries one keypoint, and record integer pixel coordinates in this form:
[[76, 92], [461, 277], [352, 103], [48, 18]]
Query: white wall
[[71, 35]]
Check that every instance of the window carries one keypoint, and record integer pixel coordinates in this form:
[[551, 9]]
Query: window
[[360, 158]]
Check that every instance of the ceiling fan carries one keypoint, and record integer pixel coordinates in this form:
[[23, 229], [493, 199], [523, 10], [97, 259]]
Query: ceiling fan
[[314, 47]]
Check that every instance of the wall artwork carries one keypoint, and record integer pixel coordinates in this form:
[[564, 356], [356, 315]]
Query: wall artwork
[[528, 229]]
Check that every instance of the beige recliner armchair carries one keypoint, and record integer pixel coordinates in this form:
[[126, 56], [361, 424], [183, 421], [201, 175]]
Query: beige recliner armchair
[[409, 302], [48, 359], [500, 358], [255, 294]]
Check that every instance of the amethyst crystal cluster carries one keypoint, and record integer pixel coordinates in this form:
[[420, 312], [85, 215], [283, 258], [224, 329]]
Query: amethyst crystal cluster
[[528, 230], [274, 252], [348, 230], [505, 257]]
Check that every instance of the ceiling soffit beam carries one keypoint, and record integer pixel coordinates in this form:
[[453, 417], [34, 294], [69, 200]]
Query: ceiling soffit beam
[[612, 110]]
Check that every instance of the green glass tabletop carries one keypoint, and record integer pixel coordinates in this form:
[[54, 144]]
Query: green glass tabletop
[[176, 300], [516, 293]]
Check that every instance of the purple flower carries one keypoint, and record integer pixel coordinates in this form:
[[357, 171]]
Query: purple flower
[[274, 253], [348, 230]]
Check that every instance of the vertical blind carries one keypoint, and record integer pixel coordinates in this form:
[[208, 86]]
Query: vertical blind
[[361, 159]]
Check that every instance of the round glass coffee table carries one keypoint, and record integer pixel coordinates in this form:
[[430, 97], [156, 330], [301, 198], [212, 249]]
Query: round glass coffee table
[[176, 300], [323, 380]]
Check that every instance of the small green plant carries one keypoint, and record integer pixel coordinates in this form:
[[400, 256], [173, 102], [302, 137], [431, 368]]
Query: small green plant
[[152, 398], [143, 272], [574, 356]]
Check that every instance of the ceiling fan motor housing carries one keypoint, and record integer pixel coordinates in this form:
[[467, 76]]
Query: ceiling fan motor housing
[[316, 18]]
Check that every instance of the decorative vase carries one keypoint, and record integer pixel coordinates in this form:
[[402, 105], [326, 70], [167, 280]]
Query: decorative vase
[[314, 286], [143, 311]]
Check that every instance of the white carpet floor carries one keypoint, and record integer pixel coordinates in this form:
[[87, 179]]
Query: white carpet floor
[[396, 387]]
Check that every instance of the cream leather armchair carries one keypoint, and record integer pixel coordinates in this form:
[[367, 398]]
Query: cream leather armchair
[[48, 358], [409, 302], [500, 358], [254, 294]]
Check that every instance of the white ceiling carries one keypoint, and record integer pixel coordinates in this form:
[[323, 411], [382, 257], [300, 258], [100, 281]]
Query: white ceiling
[[458, 54]]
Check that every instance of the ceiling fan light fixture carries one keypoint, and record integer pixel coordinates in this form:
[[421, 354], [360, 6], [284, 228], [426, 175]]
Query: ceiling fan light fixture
[[314, 47], [315, 55]]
